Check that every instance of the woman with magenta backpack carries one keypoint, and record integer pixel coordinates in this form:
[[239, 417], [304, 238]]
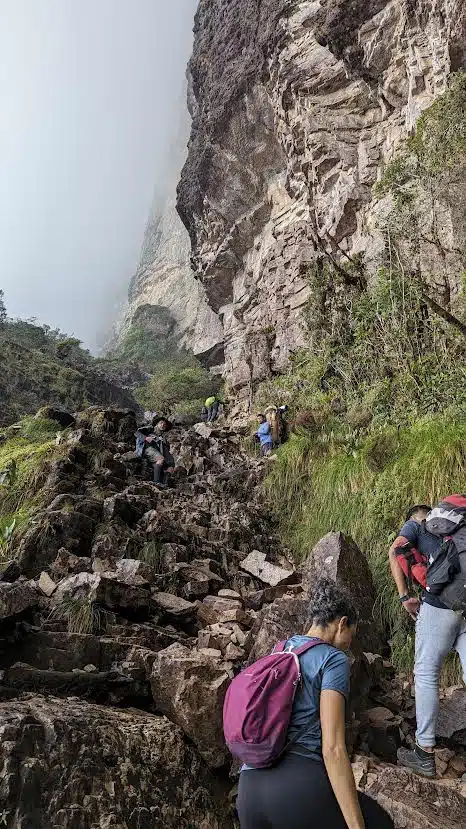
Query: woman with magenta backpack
[[284, 717]]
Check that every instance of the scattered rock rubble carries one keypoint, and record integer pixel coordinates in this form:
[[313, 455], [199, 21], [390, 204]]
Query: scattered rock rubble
[[125, 613]]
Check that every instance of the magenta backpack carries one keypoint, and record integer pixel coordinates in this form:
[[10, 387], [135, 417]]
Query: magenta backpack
[[258, 706]]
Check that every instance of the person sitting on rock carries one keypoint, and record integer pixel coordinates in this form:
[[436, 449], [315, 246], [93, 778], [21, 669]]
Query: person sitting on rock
[[312, 786], [264, 435], [212, 404], [152, 445], [438, 631]]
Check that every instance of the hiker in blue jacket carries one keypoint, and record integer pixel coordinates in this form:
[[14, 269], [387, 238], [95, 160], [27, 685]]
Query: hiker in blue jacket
[[312, 785], [264, 435]]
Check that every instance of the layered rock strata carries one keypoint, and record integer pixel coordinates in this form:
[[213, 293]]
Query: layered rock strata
[[295, 108]]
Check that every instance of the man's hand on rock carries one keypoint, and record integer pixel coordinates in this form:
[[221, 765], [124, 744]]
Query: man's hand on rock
[[412, 606]]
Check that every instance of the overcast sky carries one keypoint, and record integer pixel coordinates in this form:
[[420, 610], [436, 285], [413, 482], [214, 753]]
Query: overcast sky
[[90, 97]]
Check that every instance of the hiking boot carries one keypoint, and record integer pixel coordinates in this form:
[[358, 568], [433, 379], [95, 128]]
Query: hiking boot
[[420, 761]]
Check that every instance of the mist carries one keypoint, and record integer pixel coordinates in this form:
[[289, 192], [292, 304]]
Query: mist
[[91, 99]]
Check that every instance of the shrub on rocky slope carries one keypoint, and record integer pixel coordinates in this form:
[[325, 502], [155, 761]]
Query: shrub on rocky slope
[[168, 376], [42, 367]]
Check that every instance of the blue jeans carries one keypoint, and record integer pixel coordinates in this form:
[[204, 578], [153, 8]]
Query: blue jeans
[[437, 633]]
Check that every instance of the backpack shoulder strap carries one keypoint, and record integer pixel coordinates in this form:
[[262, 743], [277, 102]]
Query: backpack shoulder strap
[[280, 646], [307, 646]]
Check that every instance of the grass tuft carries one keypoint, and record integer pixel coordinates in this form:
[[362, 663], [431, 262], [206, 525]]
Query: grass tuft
[[82, 616], [151, 553]]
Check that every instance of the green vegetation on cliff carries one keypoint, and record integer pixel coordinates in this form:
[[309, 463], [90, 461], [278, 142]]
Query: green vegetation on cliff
[[174, 380], [26, 449], [379, 395], [41, 366]]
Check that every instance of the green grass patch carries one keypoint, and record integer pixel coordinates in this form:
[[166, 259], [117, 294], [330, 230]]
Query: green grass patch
[[364, 488], [24, 460]]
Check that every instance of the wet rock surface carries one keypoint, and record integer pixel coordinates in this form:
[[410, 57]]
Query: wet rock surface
[[130, 621]]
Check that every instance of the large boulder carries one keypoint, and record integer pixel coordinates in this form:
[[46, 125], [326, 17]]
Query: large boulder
[[86, 506], [189, 687], [195, 581], [217, 610], [337, 557], [15, 599], [381, 731], [257, 565], [67, 563], [129, 506], [120, 424], [127, 595], [451, 724], [49, 531], [278, 621], [173, 608], [9, 570], [113, 538], [415, 802], [69, 764], [60, 416]]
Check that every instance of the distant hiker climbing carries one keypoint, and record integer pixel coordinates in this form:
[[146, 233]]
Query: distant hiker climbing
[[272, 416], [152, 444], [276, 417], [212, 405], [264, 435], [430, 553], [283, 425]]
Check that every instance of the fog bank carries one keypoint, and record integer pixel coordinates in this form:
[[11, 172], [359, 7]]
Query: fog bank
[[91, 93]]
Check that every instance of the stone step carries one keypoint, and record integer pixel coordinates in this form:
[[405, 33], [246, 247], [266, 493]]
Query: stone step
[[105, 687]]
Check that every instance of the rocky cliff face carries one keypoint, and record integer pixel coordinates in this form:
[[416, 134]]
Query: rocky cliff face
[[165, 279], [295, 108]]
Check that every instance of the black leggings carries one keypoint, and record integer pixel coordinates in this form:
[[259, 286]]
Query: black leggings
[[297, 794]]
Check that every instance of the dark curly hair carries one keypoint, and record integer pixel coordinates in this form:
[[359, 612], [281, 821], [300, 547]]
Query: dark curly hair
[[330, 602]]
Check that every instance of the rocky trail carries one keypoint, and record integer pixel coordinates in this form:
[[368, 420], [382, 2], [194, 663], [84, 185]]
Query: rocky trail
[[126, 610]]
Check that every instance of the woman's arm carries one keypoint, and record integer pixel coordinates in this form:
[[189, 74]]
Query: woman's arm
[[332, 718]]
